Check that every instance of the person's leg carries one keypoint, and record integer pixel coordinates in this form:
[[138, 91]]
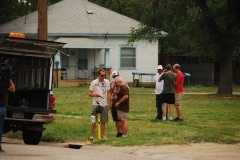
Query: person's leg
[[117, 122], [93, 124], [179, 111], [167, 110], [179, 108], [118, 125], [164, 110], [125, 127], [122, 116], [166, 99], [156, 100], [159, 106], [178, 99], [2, 117], [104, 120], [171, 105], [102, 126], [124, 124], [92, 130], [179, 118], [171, 111]]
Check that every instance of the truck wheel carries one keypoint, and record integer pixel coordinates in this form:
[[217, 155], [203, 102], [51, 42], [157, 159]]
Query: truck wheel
[[32, 137]]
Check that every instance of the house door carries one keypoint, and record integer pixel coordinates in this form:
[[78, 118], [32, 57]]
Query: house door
[[83, 65]]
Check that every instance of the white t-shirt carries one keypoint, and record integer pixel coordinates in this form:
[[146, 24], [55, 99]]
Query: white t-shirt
[[159, 85], [100, 88]]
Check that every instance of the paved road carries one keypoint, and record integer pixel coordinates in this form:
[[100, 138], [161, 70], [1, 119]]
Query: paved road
[[16, 150]]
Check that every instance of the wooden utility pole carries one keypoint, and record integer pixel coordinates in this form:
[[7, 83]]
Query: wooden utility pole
[[42, 19]]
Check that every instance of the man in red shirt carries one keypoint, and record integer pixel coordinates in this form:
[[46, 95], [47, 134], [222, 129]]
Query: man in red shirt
[[178, 86]]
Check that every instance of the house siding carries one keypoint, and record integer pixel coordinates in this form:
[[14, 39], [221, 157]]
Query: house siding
[[146, 58]]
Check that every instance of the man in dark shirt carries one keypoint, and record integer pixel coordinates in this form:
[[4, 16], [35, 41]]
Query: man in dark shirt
[[122, 104], [168, 96], [6, 85]]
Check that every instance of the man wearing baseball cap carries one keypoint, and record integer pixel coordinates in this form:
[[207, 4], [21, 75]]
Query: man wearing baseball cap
[[158, 92]]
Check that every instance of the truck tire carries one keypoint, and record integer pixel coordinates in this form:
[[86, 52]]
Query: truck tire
[[32, 137]]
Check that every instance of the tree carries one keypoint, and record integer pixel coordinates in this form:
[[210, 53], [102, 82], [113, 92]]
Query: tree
[[221, 20], [207, 30], [12, 9], [126, 7]]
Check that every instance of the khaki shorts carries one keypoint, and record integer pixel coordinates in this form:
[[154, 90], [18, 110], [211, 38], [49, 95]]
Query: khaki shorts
[[178, 99], [122, 116], [104, 113]]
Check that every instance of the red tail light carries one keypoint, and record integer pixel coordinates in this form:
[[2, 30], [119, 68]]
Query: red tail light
[[51, 101], [47, 116]]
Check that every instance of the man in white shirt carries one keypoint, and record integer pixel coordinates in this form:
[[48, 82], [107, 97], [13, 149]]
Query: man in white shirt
[[158, 92], [100, 91]]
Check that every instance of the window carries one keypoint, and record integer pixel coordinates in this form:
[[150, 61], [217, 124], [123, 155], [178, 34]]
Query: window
[[82, 64], [83, 60], [128, 57], [65, 59]]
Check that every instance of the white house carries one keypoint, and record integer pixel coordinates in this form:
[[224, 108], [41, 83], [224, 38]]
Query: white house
[[96, 37]]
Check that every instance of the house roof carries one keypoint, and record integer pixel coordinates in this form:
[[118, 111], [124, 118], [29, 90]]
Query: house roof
[[70, 18]]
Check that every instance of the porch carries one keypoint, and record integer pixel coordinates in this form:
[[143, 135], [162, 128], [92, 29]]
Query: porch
[[74, 76]]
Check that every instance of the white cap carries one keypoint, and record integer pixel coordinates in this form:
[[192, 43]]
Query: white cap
[[114, 74], [159, 67]]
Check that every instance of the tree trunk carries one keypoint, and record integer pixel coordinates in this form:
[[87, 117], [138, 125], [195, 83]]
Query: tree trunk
[[226, 75]]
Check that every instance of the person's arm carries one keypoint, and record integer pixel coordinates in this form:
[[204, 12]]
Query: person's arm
[[124, 98], [11, 88], [160, 78], [92, 94], [109, 99], [176, 80], [156, 80], [116, 91]]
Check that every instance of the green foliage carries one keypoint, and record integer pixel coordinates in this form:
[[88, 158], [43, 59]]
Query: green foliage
[[12, 9], [128, 8], [204, 31], [203, 34]]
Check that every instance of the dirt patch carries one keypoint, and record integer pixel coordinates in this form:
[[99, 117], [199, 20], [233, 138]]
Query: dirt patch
[[191, 151], [181, 152]]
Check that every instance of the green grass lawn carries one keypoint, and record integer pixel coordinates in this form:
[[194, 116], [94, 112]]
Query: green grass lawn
[[207, 118]]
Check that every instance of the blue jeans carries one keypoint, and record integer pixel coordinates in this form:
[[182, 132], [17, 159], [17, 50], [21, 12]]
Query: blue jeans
[[2, 118]]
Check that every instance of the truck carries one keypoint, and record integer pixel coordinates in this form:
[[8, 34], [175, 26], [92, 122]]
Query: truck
[[30, 63]]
